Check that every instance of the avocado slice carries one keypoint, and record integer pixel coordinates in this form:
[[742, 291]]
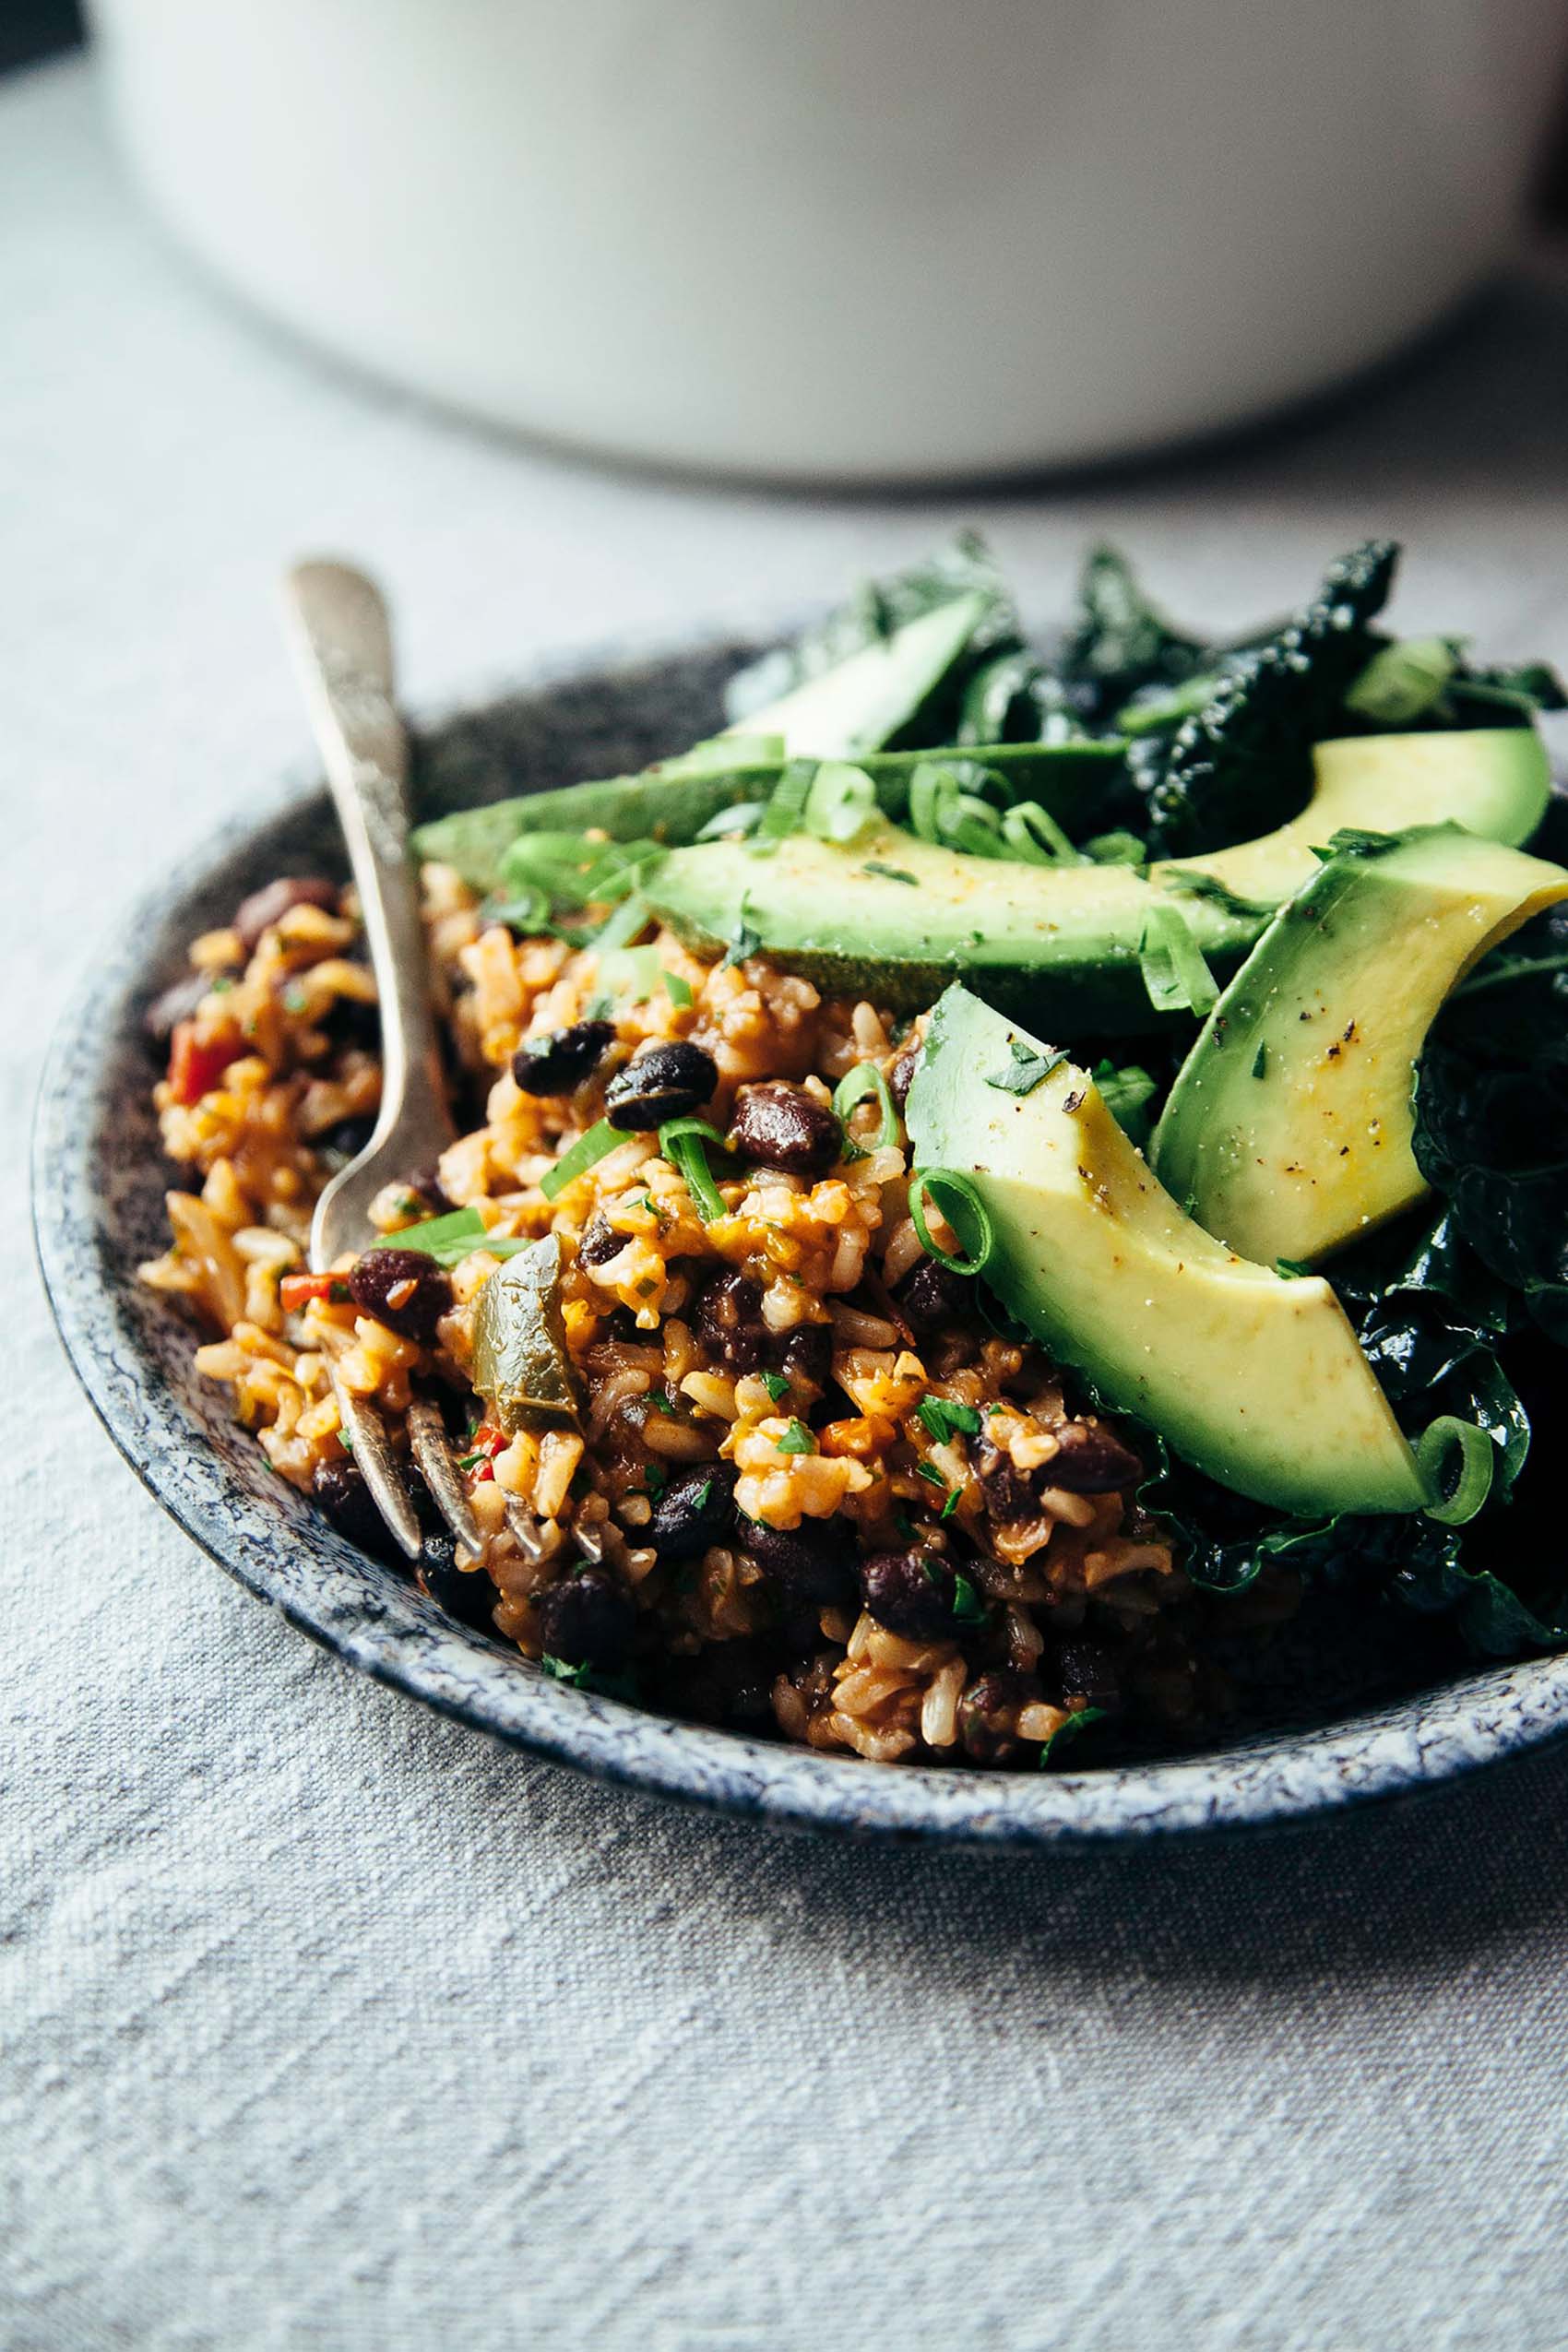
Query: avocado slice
[[862, 702], [1288, 1129], [672, 801], [1257, 1379], [897, 917]]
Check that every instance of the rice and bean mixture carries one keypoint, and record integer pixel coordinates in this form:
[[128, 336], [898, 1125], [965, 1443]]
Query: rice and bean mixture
[[809, 1484]]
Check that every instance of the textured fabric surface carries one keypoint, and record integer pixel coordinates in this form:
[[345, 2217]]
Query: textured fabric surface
[[325, 2022]]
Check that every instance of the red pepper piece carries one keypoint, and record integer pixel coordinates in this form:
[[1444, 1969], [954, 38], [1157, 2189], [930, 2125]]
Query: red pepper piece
[[196, 1066], [296, 1290]]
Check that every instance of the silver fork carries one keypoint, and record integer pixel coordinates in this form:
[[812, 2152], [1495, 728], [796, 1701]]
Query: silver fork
[[341, 641]]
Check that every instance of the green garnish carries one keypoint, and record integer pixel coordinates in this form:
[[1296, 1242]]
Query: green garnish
[[596, 1144], [931, 1476], [1474, 1461], [1260, 1061], [932, 1183], [662, 1401], [954, 1499], [678, 991], [785, 812], [700, 1499], [1175, 974], [777, 1386], [1026, 1070], [683, 1143], [967, 1606], [943, 1418], [863, 1083], [1066, 1732], [797, 1439], [1035, 838], [1291, 1269], [449, 1240], [890, 874], [842, 801], [744, 942]]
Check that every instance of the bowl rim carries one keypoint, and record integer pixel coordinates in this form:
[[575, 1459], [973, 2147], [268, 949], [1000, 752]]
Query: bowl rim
[[381, 1625]]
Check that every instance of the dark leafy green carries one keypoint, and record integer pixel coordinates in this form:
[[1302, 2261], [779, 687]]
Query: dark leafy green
[[1243, 764], [1118, 643]]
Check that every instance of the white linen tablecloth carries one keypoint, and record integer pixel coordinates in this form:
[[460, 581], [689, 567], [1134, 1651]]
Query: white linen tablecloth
[[326, 2022]]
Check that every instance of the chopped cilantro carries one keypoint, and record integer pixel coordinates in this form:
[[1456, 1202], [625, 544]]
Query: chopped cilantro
[[797, 1439], [942, 1418], [931, 1477], [890, 874], [1026, 1070], [1070, 1730], [660, 1400], [678, 991], [700, 1499], [967, 1606], [1291, 1269], [1260, 1061], [956, 1496], [776, 1384], [744, 942]]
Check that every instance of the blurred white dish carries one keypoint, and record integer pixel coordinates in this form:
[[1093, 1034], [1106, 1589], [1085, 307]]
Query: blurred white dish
[[844, 239]]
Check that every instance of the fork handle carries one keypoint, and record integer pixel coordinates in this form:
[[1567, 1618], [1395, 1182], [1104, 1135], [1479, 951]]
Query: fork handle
[[341, 641]]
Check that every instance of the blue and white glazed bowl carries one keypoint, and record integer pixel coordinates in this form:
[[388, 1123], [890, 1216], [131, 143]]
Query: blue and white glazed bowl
[[1341, 1711]]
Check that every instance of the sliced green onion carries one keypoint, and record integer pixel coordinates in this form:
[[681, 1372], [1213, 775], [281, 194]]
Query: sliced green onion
[[588, 1149], [1118, 849], [934, 1182], [635, 971], [1472, 1482], [1174, 972], [629, 917], [863, 1083], [684, 1144], [786, 807], [724, 825], [572, 870], [1035, 838], [842, 801], [1401, 683]]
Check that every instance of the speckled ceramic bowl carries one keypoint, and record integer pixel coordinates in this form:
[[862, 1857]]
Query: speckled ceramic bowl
[[1338, 1713]]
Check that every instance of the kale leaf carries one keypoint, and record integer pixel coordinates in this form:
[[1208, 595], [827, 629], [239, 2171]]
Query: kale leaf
[[1243, 764], [1491, 1116], [1118, 643]]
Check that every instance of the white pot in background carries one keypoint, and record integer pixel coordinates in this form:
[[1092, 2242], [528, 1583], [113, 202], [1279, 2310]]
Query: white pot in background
[[844, 239]]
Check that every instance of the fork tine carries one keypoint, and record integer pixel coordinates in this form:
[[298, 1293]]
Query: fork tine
[[367, 1434], [433, 1457]]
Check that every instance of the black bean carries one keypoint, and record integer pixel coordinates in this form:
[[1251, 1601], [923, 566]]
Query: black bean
[[810, 1567], [725, 1683], [377, 1284], [263, 908], [349, 1021], [588, 1620], [1010, 1497], [340, 1490], [428, 1188], [663, 1082], [1085, 1668], [466, 1594], [911, 1592], [807, 1353], [778, 1126], [1092, 1460], [601, 1242], [347, 1139], [932, 1298], [728, 1320], [901, 1077], [988, 1715], [561, 1059], [176, 1003], [694, 1510]]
